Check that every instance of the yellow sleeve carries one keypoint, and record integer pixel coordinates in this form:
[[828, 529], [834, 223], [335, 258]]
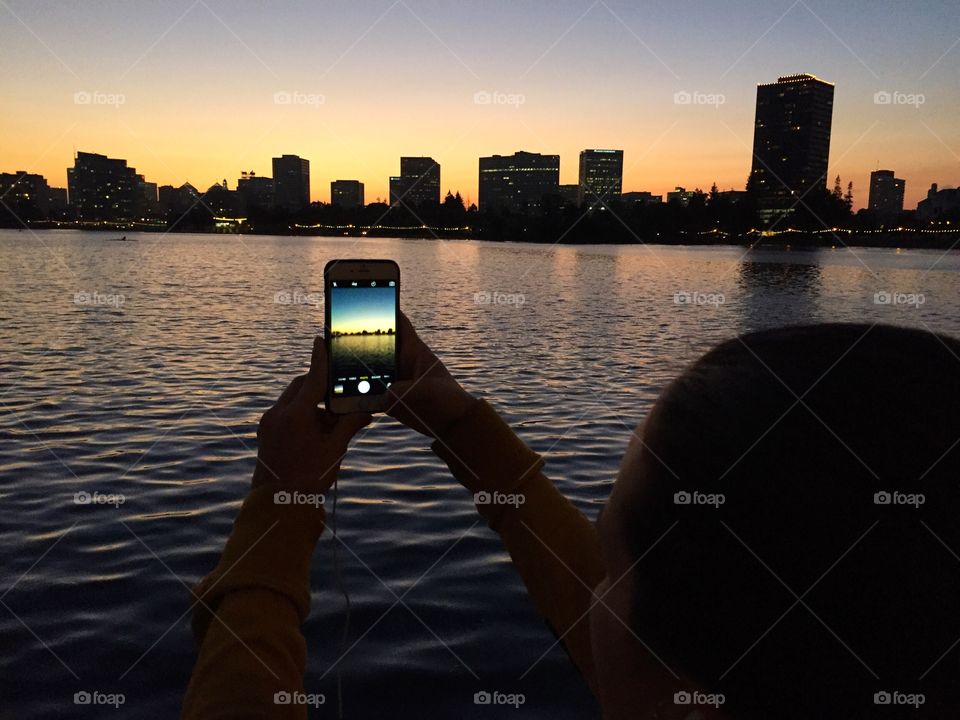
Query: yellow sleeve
[[552, 545], [247, 615]]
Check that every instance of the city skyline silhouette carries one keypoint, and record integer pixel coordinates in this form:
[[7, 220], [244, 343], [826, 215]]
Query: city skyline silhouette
[[673, 87]]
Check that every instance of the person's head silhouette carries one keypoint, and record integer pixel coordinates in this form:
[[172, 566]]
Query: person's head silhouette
[[783, 531]]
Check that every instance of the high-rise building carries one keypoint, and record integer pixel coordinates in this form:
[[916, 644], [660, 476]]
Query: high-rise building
[[291, 183], [28, 195], [346, 193], [177, 200], [58, 202], [418, 182], [398, 188], [102, 188], [791, 141], [886, 193], [256, 191], [601, 177], [149, 202], [518, 182], [570, 193]]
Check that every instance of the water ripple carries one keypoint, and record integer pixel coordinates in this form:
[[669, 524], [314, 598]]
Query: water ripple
[[157, 401]]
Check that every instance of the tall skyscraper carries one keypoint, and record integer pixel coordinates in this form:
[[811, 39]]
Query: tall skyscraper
[[791, 141], [518, 182], [398, 189], [291, 182], [102, 188], [886, 193], [346, 193], [601, 177], [418, 182]]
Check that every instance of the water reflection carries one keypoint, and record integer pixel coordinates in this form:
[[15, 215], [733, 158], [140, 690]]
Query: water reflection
[[778, 288], [159, 399]]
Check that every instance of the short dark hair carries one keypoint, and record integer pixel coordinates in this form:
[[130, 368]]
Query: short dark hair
[[798, 429]]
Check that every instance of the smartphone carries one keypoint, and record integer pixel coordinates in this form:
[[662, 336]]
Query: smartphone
[[362, 301]]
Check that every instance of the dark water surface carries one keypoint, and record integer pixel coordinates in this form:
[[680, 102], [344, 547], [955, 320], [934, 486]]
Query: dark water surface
[[141, 369]]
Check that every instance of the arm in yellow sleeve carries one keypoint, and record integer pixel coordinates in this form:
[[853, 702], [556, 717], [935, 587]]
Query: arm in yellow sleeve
[[248, 612], [552, 545]]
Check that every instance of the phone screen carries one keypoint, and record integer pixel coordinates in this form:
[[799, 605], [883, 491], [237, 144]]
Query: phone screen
[[362, 336]]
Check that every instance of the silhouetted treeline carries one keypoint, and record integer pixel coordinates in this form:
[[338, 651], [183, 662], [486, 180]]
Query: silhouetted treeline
[[706, 217]]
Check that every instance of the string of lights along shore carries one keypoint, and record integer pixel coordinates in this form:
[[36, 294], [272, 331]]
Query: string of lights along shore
[[791, 147]]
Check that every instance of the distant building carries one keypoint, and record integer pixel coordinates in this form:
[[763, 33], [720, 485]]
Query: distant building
[[256, 191], [640, 197], [940, 205], [417, 183], [732, 196], [570, 194], [177, 200], [886, 193], [224, 202], [29, 196], [601, 177], [291, 183], [346, 193], [791, 141], [680, 195], [102, 188], [398, 188], [166, 196], [58, 202], [518, 182], [149, 200]]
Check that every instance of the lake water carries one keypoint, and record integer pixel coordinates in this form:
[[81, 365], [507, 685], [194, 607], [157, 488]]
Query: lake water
[[362, 356], [142, 368]]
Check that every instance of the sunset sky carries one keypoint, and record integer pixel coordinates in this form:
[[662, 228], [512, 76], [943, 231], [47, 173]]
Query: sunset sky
[[380, 79], [354, 310]]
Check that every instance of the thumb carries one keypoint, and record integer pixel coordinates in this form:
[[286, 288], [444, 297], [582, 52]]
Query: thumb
[[314, 387]]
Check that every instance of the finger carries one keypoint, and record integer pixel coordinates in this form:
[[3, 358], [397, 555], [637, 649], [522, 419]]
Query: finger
[[399, 397], [396, 393], [348, 425], [413, 352], [408, 334], [326, 419], [292, 390], [314, 387], [405, 326]]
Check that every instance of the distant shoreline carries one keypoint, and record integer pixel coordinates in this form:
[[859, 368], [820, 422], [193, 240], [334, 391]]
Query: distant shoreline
[[906, 238]]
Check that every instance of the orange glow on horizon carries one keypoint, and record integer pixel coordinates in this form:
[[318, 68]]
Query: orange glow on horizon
[[355, 95]]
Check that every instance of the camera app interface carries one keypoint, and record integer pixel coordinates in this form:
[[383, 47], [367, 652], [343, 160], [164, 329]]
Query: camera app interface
[[363, 336]]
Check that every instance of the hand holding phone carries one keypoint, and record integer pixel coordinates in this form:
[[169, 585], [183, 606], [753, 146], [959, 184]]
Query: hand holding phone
[[362, 306], [426, 398], [298, 446]]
